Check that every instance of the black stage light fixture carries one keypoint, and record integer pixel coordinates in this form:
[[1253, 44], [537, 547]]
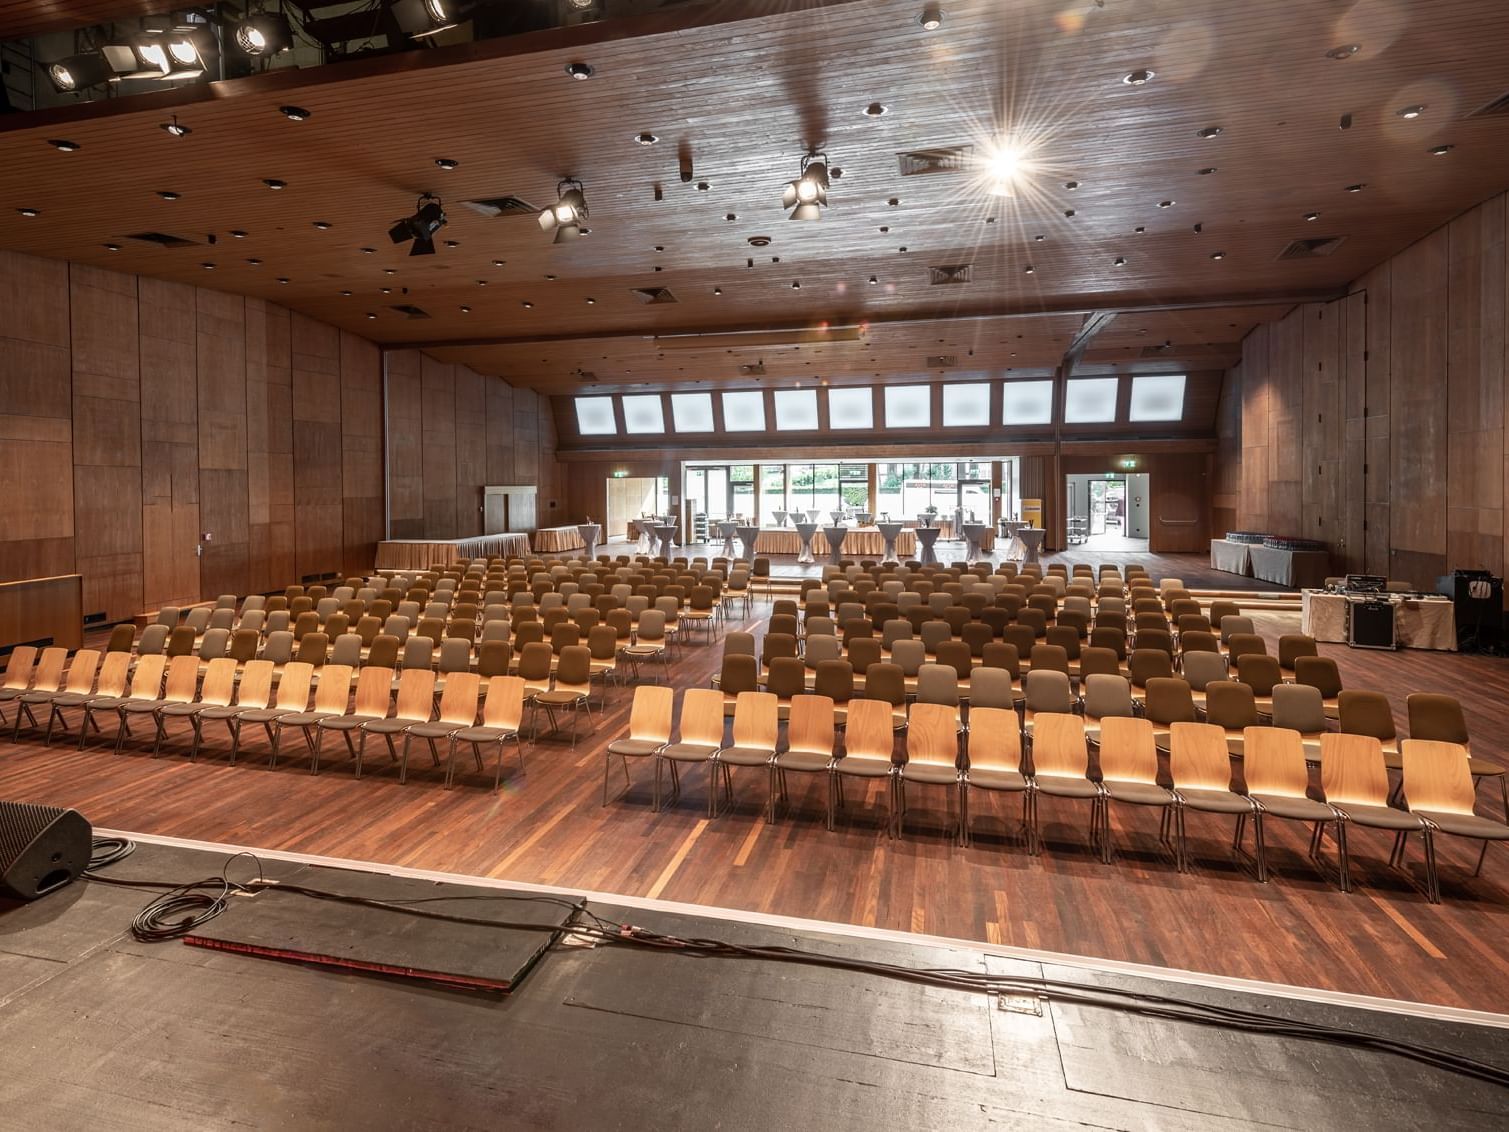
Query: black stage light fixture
[[171, 55], [420, 18], [262, 34], [428, 218], [565, 216], [78, 72], [807, 196]]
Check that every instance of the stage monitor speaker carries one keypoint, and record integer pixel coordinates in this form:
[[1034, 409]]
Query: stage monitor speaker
[[1370, 624], [42, 848]]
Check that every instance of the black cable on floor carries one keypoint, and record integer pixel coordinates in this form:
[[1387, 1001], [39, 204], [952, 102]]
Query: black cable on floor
[[107, 851]]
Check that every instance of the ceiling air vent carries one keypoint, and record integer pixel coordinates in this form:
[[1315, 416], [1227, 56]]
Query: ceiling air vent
[[409, 310], [162, 239], [954, 159], [942, 361], [754, 369], [653, 294], [1312, 248], [1499, 105], [501, 206], [950, 273]]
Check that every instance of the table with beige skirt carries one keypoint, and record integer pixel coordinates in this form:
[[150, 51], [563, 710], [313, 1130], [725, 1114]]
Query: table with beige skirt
[[421, 554], [859, 541], [1419, 623], [553, 540]]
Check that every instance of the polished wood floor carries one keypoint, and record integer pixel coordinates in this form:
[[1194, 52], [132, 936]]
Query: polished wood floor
[[548, 826]]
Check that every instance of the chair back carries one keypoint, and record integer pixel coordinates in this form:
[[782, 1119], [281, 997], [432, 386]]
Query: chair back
[[1298, 707], [1230, 705], [1438, 777], [1273, 762], [932, 736], [293, 687], [1169, 701], [650, 717], [146, 681], [1128, 752], [374, 687], [756, 721], [938, 684], [1352, 770], [48, 674], [811, 728], [1058, 745], [573, 672], [334, 691], [702, 717], [1107, 697], [416, 694], [989, 688], [1048, 691], [81, 672], [1366, 713], [219, 682], [255, 689], [458, 703], [868, 732], [504, 708], [1198, 758], [1437, 718], [995, 740]]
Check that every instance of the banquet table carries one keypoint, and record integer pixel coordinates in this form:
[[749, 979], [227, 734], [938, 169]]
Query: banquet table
[[421, 554], [552, 540], [1419, 623], [1231, 557], [1295, 568], [859, 541]]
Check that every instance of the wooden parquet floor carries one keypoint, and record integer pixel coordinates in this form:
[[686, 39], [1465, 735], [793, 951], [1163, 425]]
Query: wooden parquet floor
[[548, 826]]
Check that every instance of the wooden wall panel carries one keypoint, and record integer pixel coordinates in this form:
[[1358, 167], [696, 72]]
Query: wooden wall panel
[[405, 445], [1252, 511], [438, 454], [169, 444], [500, 445], [1226, 490], [1285, 414], [269, 395], [317, 496], [361, 452], [1354, 463], [1321, 427], [471, 449], [224, 508]]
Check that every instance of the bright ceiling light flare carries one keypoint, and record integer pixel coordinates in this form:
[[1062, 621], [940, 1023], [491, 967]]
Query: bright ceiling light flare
[[1004, 167]]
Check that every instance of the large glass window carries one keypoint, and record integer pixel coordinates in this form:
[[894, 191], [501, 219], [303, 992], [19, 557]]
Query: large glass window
[[851, 408], [594, 416], [744, 412], [796, 410], [908, 490], [643, 413], [692, 412], [966, 406], [1157, 398], [772, 492], [908, 406], [1027, 403], [854, 485], [741, 490], [1090, 400]]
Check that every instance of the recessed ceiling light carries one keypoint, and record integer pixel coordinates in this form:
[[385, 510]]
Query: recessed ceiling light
[[1357, 188], [466, 310], [112, 247], [369, 251], [873, 280], [323, 225], [389, 271], [1068, 212], [875, 109], [295, 113], [527, 305], [29, 211], [63, 145], [208, 266], [453, 243], [646, 138], [447, 163], [1140, 229], [255, 262], [369, 313], [717, 290], [238, 234], [167, 194], [1207, 171], [1138, 78], [1071, 185], [481, 282], [1120, 261], [1210, 132], [796, 284], [1345, 51], [175, 127], [387, 290], [579, 71], [1217, 255], [282, 279], [497, 263], [1165, 204], [884, 228], [1039, 239], [1312, 216], [931, 18], [1028, 270], [703, 186], [1441, 150], [1411, 112], [894, 201], [274, 183], [730, 216]]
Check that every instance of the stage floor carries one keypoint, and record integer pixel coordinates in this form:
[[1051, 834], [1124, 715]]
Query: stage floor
[[102, 1031]]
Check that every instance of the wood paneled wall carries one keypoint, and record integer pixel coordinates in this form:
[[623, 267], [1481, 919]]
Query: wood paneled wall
[[138, 415], [453, 432], [1377, 422]]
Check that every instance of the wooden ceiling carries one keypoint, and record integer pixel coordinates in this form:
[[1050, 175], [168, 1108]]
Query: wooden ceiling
[[22, 19], [743, 98]]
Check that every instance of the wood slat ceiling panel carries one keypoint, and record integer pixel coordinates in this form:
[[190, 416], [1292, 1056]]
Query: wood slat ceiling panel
[[22, 19], [744, 99]]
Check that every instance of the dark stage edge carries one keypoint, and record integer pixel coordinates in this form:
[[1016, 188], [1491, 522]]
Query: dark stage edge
[[100, 1031]]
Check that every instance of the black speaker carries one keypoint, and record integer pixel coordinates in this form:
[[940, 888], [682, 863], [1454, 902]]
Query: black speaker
[[41, 848], [1371, 624]]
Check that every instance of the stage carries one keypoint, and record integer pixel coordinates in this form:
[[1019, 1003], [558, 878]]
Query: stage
[[102, 1030]]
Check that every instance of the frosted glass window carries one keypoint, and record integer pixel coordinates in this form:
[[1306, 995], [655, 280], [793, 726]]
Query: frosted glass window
[[908, 406], [744, 412], [965, 405], [1157, 398], [796, 410], [1090, 399], [1027, 402], [851, 408], [594, 416], [643, 413], [692, 412]]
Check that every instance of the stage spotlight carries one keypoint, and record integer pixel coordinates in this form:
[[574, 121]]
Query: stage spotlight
[[79, 71], [807, 196], [266, 33], [565, 217], [419, 18], [428, 218], [172, 56]]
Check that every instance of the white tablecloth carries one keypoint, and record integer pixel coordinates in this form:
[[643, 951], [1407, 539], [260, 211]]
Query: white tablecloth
[[1418, 624], [421, 554], [1295, 568], [1231, 557]]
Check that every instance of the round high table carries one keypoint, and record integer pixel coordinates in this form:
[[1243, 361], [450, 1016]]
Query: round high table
[[973, 535], [926, 536], [812, 516], [666, 532], [747, 536], [1031, 539], [647, 534], [781, 517], [590, 533], [889, 532], [726, 533], [835, 536], [805, 531]]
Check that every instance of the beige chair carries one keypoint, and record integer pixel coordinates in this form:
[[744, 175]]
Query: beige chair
[[374, 688], [1200, 766], [502, 716], [415, 704], [183, 679], [111, 670], [701, 736], [112, 690], [932, 755], [649, 730], [869, 746], [1439, 785], [1060, 761], [810, 735], [49, 682], [1278, 780], [330, 698], [254, 691], [1354, 778], [570, 690], [1129, 774], [217, 690], [994, 760], [457, 712], [756, 728]]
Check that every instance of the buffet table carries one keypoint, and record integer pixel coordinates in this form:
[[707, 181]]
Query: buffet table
[[1296, 569], [553, 540], [860, 541], [1419, 623], [1231, 557], [421, 554]]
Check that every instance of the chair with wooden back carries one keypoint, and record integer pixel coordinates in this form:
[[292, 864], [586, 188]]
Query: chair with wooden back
[[1439, 718], [1278, 780], [47, 681], [330, 698], [869, 746], [809, 742], [1129, 773], [1439, 784], [994, 759], [755, 731], [700, 738], [457, 712], [932, 755], [217, 690], [415, 704], [374, 688], [1354, 779], [1060, 762], [649, 730], [1200, 766], [502, 716], [18, 671], [182, 680]]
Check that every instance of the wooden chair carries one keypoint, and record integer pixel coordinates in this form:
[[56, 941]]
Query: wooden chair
[[1278, 780], [649, 730], [502, 716], [254, 691], [932, 756], [571, 689], [1060, 765], [217, 691], [756, 728], [1200, 767], [1355, 782], [330, 698], [457, 712], [183, 679], [374, 687], [869, 745], [1439, 785], [1440, 718], [1129, 774], [114, 672], [809, 743], [18, 670], [48, 682], [701, 737], [994, 760]]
